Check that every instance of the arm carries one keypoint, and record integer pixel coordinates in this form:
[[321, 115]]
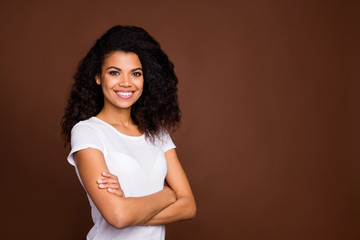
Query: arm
[[184, 206], [111, 183], [118, 211]]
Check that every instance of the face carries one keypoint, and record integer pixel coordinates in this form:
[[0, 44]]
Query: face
[[121, 79]]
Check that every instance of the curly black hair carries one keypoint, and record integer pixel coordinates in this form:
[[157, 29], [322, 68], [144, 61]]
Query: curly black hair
[[157, 108]]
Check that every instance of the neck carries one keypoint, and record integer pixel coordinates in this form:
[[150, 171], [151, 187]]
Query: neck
[[116, 116]]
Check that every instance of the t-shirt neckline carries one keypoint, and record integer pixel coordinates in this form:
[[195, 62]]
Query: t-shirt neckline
[[117, 131]]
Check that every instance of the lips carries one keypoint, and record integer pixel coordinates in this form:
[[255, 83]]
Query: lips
[[124, 94]]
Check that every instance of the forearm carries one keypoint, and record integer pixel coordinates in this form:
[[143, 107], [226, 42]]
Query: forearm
[[118, 211], [139, 210], [184, 208]]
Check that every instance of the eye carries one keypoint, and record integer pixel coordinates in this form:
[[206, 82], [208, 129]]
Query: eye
[[114, 73], [137, 74]]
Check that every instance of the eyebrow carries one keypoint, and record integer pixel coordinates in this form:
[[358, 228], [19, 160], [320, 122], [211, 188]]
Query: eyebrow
[[119, 69]]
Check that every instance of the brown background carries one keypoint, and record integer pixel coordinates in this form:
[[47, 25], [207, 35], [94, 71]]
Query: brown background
[[269, 92]]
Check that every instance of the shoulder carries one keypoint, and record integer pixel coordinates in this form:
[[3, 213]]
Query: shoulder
[[85, 125], [86, 131], [85, 134], [165, 141]]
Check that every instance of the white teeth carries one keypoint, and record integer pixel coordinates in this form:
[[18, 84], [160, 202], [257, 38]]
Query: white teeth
[[125, 94]]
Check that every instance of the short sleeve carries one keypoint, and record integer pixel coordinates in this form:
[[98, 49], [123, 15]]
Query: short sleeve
[[83, 136], [166, 142]]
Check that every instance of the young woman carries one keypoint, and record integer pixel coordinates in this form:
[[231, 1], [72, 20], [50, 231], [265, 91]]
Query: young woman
[[122, 105]]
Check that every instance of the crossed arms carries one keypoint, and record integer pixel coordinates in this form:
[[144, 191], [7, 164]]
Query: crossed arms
[[173, 203]]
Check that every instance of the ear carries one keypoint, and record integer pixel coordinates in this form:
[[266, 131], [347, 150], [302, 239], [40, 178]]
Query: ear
[[97, 79]]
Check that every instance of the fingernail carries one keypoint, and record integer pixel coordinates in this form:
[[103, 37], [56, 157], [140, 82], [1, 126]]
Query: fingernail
[[101, 186], [109, 189], [99, 181], [104, 173]]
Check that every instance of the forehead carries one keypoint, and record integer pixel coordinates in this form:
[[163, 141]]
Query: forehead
[[122, 59]]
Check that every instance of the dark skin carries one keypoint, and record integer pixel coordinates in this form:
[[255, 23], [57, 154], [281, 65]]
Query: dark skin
[[122, 82]]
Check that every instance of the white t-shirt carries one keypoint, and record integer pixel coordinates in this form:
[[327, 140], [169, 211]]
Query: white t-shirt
[[139, 165]]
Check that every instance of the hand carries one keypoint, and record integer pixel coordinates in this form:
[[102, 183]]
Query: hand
[[111, 183]]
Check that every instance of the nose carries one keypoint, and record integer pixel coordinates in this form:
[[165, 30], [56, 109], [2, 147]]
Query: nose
[[125, 81]]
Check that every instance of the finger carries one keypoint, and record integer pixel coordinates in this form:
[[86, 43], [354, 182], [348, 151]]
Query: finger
[[109, 175], [104, 180], [117, 192], [113, 186]]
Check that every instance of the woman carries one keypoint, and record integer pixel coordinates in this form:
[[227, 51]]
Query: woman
[[122, 105]]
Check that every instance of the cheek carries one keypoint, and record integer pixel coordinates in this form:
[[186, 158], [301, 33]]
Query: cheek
[[109, 83], [140, 84], [106, 88]]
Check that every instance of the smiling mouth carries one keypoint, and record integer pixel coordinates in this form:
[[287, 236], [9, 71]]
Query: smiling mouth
[[124, 94]]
